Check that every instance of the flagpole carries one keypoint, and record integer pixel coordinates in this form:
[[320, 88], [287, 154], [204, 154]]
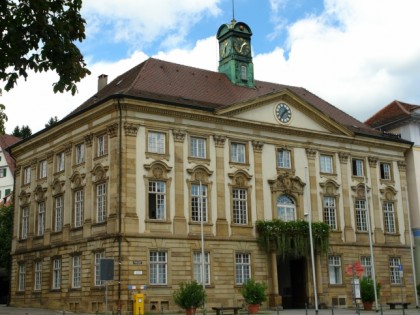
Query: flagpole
[[311, 239], [370, 245]]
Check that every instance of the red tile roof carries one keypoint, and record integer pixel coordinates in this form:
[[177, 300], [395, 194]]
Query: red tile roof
[[180, 85], [393, 112], [5, 142]]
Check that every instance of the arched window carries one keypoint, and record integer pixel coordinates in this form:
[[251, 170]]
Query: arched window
[[286, 208]]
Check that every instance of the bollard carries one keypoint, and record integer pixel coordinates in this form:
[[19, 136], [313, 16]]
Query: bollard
[[221, 311], [332, 310], [382, 311], [278, 309], [161, 310], [306, 308]]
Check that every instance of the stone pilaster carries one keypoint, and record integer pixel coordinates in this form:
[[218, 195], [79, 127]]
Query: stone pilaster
[[402, 168], [180, 223], [311, 155], [221, 223], [258, 147], [274, 297], [375, 223], [349, 235]]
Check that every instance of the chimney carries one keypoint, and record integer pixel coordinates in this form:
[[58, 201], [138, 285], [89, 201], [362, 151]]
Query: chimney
[[102, 81]]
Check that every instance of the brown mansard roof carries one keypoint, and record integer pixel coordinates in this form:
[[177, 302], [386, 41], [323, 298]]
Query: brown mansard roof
[[180, 85], [392, 113]]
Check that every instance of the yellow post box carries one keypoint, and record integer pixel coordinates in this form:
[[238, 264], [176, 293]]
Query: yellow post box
[[138, 304]]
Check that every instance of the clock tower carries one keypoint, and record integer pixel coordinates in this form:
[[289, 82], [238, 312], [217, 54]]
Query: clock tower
[[235, 53]]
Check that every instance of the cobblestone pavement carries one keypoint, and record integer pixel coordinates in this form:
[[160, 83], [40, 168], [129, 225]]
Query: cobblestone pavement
[[6, 310]]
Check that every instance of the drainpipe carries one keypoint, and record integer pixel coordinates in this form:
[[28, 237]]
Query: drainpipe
[[119, 203]]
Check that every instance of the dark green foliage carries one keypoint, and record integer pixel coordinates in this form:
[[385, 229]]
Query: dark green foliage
[[292, 238], [51, 122], [254, 292], [39, 35], [6, 229], [189, 295], [367, 290], [22, 132], [3, 119]]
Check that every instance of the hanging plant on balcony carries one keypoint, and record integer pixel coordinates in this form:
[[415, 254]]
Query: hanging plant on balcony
[[292, 237]]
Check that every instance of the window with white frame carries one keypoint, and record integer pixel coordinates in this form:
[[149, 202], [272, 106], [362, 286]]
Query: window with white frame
[[389, 217], [25, 223], [198, 203], [198, 147], [357, 167], [101, 202], [37, 275], [27, 175], [56, 278], [58, 213], [326, 163], [237, 152], [198, 267], [334, 269], [22, 277], [80, 153], [244, 76], [286, 208], [42, 169], [78, 208], [98, 257], [60, 159], [242, 267], [394, 268], [330, 212], [158, 267], [284, 158], [156, 142], [77, 268], [157, 193], [240, 205], [101, 145], [41, 219], [366, 262], [361, 215], [385, 169]]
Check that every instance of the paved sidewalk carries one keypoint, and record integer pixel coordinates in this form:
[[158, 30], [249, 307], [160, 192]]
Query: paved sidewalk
[[6, 310]]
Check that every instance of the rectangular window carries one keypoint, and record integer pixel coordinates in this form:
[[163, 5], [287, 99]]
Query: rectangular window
[[334, 268], [56, 279], [25, 223], [38, 276], [22, 276], [244, 76], [238, 152], [78, 208], [158, 267], [361, 216], [7, 192], [394, 268], [101, 202], [98, 257], [80, 153], [58, 214], [198, 147], [283, 158], [242, 267], [156, 142], [41, 219], [240, 206], [366, 262], [389, 217], [101, 145], [3, 172], [199, 203], [77, 267], [357, 166], [27, 175], [43, 169], [385, 171], [326, 163], [60, 158], [157, 192], [198, 267], [330, 212]]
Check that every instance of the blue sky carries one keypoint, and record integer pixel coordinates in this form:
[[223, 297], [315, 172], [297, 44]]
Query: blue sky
[[359, 55]]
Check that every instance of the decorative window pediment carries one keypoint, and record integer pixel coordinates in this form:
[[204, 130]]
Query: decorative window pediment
[[330, 187], [24, 198], [77, 180], [39, 193], [200, 173], [57, 187], [388, 193], [287, 184], [158, 170], [240, 178], [99, 173]]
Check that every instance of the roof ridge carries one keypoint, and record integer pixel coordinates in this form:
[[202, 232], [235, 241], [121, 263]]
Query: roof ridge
[[145, 64]]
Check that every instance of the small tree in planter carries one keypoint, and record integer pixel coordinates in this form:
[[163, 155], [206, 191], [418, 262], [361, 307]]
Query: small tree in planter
[[190, 296], [367, 292], [254, 294]]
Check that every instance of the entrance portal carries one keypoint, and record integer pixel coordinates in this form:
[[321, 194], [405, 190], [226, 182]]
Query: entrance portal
[[292, 281]]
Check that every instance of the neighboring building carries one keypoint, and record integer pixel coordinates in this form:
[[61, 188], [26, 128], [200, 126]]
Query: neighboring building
[[131, 173], [403, 120], [7, 166]]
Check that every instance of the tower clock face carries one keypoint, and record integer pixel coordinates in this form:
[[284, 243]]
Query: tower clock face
[[283, 113]]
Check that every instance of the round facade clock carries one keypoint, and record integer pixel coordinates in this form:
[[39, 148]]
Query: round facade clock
[[283, 113]]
